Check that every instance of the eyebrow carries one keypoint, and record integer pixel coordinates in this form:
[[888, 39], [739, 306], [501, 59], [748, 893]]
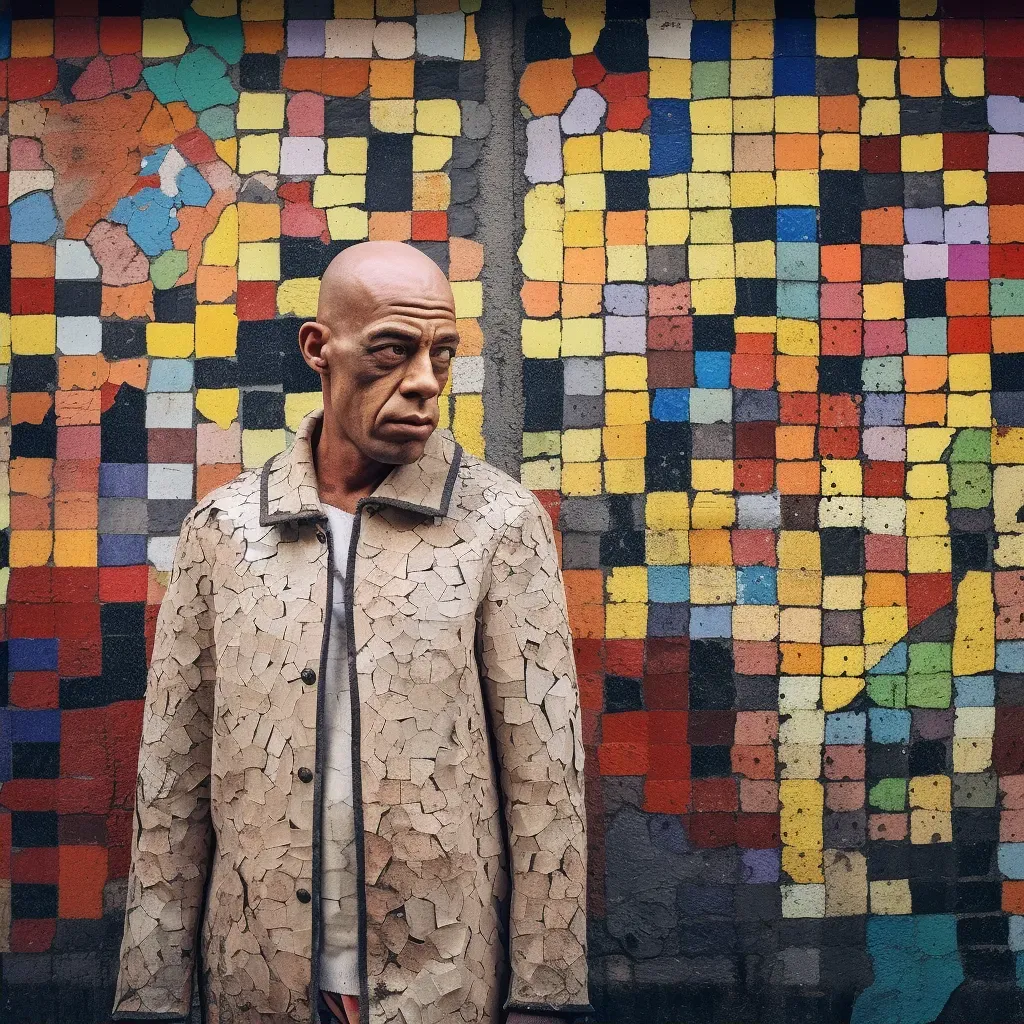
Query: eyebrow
[[395, 329]]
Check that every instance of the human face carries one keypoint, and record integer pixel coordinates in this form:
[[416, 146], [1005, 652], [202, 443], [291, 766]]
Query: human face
[[385, 362]]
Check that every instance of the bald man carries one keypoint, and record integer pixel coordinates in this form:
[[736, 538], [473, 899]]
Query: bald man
[[360, 786]]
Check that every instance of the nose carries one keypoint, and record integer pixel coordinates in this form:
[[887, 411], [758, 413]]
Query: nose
[[420, 381]]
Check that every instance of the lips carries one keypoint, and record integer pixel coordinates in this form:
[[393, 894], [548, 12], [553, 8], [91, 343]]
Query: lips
[[414, 427]]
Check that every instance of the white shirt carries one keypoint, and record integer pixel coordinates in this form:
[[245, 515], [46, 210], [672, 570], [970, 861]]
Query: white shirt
[[339, 907]]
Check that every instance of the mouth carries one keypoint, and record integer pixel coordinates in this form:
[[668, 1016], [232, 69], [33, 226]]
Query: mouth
[[412, 428]]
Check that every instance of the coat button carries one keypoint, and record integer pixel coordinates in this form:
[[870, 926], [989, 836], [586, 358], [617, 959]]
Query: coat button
[[305, 775], [302, 895], [321, 536], [308, 676]]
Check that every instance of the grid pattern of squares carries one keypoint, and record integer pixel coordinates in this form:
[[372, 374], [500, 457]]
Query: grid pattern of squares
[[773, 297], [179, 177]]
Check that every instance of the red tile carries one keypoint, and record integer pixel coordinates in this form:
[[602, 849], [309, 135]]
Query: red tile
[[587, 70], [758, 831], [256, 300], [965, 151], [31, 295], [34, 690], [75, 37], [884, 479], [31, 77], [120, 35], [429, 226], [962, 37], [711, 830], [927, 592], [32, 935]]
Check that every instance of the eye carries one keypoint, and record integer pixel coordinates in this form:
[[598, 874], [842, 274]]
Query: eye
[[444, 355]]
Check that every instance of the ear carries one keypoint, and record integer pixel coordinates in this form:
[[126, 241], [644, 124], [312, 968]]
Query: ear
[[313, 337]]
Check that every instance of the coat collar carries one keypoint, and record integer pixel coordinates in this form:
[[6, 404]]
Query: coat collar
[[289, 491]]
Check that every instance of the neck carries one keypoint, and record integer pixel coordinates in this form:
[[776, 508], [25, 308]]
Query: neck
[[344, 474]]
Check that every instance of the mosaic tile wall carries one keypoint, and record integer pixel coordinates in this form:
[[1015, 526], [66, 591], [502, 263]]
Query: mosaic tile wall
[[772, 341], [179, 177]]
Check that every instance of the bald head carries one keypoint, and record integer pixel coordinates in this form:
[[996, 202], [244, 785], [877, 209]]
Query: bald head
[[363, 277]]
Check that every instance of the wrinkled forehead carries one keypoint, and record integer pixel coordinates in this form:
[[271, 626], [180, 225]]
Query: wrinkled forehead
[[378, 288]]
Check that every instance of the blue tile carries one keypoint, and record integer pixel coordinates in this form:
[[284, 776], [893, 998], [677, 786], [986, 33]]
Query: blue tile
[[668, 584], [32, 655], [710, 621], [671, 405], [845, 728], [796, 224], [889, 725], [712, 369], [794, 37], [755, 584], [122, 549], [671, 149], [35, 726], [711, 40], [794, 76], [123, 479]]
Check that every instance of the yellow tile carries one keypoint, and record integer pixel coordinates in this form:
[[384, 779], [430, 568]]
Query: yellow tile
[[584, 191], [218, 405], [755, 259], [625, 373], [431, 190], [74, 547], [752, 39], [963, 187], [928, 827], [921, 152], [469, 299], [30, 547], [32, 37], [711, 117], [713, 511], [919, 38], [753, 188], [797, 188], [163, 37], [621, 407], [884, 301], [259, 153], [965, 76], [627, 583], [714, 297], [926, 517], [927, 480], [541, 339], [670, 78], [712, 475], [712, 153], [837, 37], [750, 78], [348, 155], [796, 114], [928, 554], [429, 152], [584, 229], [668, 192], [626, 151], [842, 593], [798, 337], [624, 476], [394, 116], [711, 261], [259, 222], [667, 510], [707, 190], [840, 476], [259, 445], [298, 297], [582, 336], [890, 896], [711, 227], [259, 261], [546, 474], [581, 445], [628, 441], [581, 154], [438, 117], [540, 254], [970, 372], [627, 262], [840, 152], [543, 207], [753, 116], [260, 110], [221, 246], [579, 479], [880, 117], [931, 792], [216, 331], [170, 341], [876, 77], [626, 621], [34, 334], [667, 547], [712, 584], [969, 410], [668, 227]]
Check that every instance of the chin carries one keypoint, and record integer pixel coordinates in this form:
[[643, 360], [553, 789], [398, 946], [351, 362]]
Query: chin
[[398, 453]]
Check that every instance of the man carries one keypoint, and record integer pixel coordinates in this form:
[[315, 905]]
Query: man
[[360, 786]]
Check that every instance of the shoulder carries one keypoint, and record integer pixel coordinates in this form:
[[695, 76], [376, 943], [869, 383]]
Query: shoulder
[[237, 501], [485, 490]]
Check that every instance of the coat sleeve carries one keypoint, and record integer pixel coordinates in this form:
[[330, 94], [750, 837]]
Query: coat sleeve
[[171, 841], [529, 680]]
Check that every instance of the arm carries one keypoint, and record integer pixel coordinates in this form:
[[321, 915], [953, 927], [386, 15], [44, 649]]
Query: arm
[[529, 681], [171, 844]]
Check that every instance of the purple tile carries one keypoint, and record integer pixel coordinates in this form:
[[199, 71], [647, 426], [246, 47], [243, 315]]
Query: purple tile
[[883, 410], [761, 867], [123, 479], [1006, 113], [923, 225], [1005, 153], [35, 726], [967, 224], [886, 444], [306, 38], [968, 262], [122, 549]]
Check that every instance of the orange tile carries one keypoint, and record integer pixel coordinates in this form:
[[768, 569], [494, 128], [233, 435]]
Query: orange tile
[[78, 408], [158, 128], [390, 227], [920, 77], [885, 589], [1013, 897], [30, 259], [215, 284], [344, 76], [797, 373], [925, 409], [710, 547], [800, 659], [471, 337], [882, 227], [546, 86], [581, 299], [796, 152], [77, 475], [82, 874], [626, 228], [210, 476], [307, 73], [85, 372], [799, 477], [585, 266], [182, 117], [792, 443], [391, 79], [263, 36], [925, 373], [32, 476], [129, 302], [840, 263], [1006, 224], [967, 298], [839, 113], [1008, 334], [465, 259], [540, 298], [30, 406], [30, 512], [76, 511]]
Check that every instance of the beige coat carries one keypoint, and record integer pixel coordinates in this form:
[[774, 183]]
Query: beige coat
[[468, 754]]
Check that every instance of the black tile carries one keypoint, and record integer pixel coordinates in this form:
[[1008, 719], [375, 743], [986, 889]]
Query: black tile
[[546, 39], [33, 828], [123, 427], [78, 298], [33, 901], [667, 463], [124, 339], [622, 47], [389, 172], [626, 190], [622, 693], [262, 410], [175, 305], [260, 72], [436, 79]]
